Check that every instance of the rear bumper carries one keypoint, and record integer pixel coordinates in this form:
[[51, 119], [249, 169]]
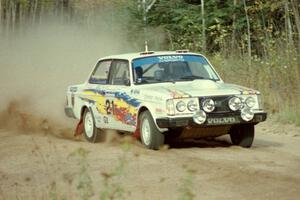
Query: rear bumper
[[69, 112], [188, 121]]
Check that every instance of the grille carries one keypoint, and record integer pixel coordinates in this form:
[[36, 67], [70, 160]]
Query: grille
[[221, 103]]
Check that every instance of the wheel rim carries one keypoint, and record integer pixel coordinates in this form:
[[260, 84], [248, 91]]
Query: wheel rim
[[146, 132], [89, 125]]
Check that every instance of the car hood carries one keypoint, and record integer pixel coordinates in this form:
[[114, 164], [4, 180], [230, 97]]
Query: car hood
[[196, 88]]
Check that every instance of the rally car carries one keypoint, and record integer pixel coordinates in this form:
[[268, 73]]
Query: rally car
[[160, 96]]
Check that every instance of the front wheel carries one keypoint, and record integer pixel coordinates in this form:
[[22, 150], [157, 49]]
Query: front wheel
[[151, 137], [242, 135], [91, 132]]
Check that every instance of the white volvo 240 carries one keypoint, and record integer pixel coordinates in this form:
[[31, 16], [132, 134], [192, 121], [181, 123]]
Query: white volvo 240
[[159, 96]]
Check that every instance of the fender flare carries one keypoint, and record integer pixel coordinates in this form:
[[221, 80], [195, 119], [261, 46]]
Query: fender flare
[[147, 107]]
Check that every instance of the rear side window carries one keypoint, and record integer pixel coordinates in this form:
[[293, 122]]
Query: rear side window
[[100, 73]]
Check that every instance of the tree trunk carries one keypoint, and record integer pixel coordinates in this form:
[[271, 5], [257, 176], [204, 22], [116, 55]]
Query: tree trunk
[[13, 15], [17, 10], [0, 12], [267, 36], [35, 11], [0, 16], [233, 27], [288, 26], [8, 17], [297, 19], [248, 32], [203, 27], [41, 13]]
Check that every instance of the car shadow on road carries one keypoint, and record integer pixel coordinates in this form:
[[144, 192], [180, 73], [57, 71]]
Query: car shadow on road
[[220, 142], [201, 143], [260, 143]]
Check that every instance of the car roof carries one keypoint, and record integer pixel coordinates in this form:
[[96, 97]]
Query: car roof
[[131, 56]]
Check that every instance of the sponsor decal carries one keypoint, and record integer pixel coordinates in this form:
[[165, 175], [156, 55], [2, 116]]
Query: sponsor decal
[[170, 58], [122, 107], [159, 110], [105, 120], [178, 94]]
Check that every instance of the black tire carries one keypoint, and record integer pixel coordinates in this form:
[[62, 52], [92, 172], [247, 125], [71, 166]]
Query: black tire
[[151, 137], [94, 135], [242, 135]]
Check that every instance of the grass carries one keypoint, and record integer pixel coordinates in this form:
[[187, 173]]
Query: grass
[[276, 76], [290, 116], [186, 190], [113, 188], [84, 180]]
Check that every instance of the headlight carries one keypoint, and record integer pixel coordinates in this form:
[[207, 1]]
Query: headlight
[[170, 107], [247, 114], [250, 102], [192, 105], [199, 117], [208, 105], [235, 104], [181, 106]]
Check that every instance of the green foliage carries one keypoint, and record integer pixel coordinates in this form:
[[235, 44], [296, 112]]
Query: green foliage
[[187, 184], [178, 24], [85, 184], [113, 188], [53, 194], [181, 20], [290, 115], [276, 76], [225, 24]]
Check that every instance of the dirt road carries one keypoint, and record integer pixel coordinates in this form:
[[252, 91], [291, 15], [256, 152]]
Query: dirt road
[[37, 165]]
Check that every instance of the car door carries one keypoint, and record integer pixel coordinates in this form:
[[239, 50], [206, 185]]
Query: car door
[[119, 108], [95, 92]]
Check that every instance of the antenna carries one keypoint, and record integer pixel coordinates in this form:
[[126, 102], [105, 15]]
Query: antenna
[[146, 46], [146, 8]]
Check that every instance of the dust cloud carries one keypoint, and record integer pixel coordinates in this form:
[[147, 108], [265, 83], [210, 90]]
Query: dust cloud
[[37, 65]]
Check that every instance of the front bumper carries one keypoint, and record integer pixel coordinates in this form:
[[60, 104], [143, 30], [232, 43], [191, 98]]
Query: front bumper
[[212, 120]]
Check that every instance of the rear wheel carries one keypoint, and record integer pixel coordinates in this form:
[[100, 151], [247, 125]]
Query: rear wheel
[[91, 132], [242, 135], [151, 137]]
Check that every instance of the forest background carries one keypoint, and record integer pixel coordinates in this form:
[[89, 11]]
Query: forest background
[[255, 43]]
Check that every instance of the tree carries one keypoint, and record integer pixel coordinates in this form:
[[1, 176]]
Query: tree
[[248, 32]]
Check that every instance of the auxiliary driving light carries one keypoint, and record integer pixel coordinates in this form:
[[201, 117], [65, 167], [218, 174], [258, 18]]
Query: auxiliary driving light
[[208, 105], [247, 114], [250, 102], [235, 104], [199, 117], [192, 105]]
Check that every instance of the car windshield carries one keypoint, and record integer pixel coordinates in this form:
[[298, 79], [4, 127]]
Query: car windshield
[[171, 68]]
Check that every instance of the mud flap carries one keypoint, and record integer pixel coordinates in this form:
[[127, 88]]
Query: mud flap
[[79, 127], [137, 132]]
